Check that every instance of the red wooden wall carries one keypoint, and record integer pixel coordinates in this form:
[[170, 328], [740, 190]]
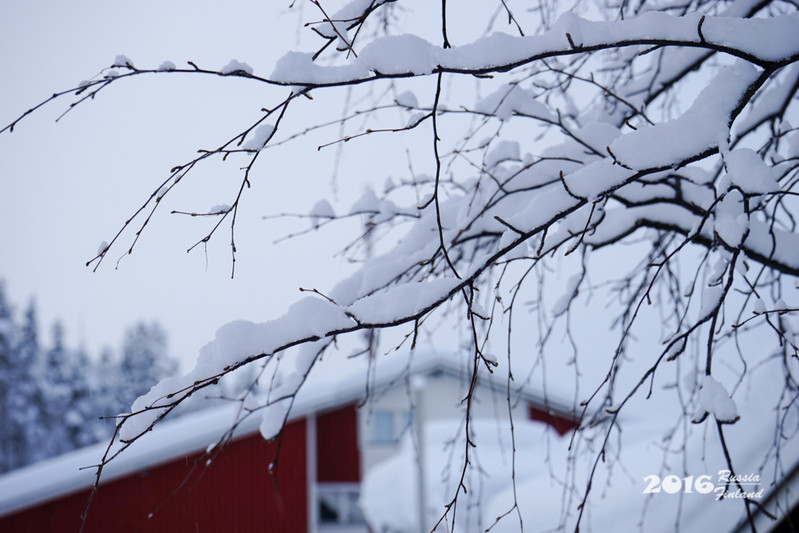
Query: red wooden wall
[[235, 493], [561, 424], [338, 456]]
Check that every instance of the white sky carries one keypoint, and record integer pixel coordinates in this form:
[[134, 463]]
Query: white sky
[[69, 186]]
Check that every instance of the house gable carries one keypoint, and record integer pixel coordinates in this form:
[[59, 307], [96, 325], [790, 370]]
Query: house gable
[[325, 451]]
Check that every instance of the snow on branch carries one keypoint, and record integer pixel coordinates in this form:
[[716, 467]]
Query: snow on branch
[[409, 55]]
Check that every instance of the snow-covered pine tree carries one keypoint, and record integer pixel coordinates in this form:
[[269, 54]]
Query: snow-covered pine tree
[[106, 382], [27, 402], [55, 383], [145, 360], [83, 423], [52, 400], [9, 445]]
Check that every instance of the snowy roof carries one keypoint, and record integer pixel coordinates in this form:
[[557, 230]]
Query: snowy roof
[[651, 478], [546, 503], [334, 382]]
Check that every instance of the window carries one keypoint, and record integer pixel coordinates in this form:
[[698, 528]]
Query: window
[[388, 426], [383, 427], [338, 508]]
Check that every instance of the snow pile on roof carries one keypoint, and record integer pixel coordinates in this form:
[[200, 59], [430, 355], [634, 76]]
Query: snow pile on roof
[[444, 450], [639, 485]]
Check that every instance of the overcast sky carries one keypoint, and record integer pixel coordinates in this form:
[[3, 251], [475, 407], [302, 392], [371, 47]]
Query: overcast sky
[[70, 185]]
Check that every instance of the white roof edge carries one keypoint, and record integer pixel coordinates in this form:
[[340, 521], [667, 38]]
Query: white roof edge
[[556, 405]]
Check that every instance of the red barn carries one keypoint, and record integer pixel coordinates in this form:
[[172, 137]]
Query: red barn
[[170, 481]]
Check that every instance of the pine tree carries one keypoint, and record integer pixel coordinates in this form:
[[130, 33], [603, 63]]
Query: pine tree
[[52, 400], [56, 386], [7, 334], [144, 361], [27, 402], [84, 426], [105, 379]]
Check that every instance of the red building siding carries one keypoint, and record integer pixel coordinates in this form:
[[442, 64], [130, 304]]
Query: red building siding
[[235, 493], [561, 424], [338, 455]]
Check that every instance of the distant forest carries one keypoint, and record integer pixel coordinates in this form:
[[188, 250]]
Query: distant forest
[[52, 396]]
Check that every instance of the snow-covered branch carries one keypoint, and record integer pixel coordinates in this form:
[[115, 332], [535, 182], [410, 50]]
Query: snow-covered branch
[[659, 144]]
